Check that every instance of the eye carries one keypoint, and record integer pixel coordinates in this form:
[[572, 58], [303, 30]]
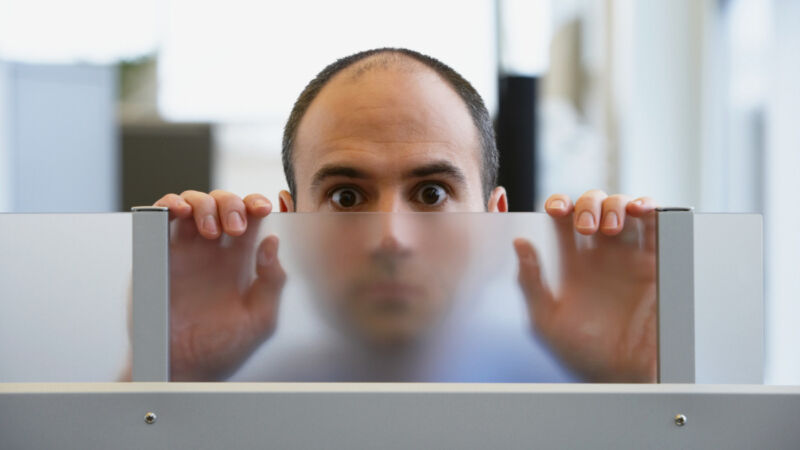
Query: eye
[[431, 194], [346, 198]]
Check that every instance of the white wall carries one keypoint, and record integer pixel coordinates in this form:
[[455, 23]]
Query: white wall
[[781, 213], [658, 81]]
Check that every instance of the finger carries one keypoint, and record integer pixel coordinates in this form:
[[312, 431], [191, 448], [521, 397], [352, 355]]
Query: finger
[[613, 214], [587, 211], [257, 205], [645, 209], [183, 230], [204, 211], [178, 208], [641, 206], [558, 205], [537, 295], [231, 212], [262, 298]]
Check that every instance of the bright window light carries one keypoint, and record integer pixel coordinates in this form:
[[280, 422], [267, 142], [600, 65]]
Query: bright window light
[[243, 61], [75, 31]]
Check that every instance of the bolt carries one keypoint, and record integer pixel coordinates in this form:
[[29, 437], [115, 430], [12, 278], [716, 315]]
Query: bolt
[[150, 418], [680, 420]]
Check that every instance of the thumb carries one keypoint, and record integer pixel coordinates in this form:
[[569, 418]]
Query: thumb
[[264, 294], [537, 295]]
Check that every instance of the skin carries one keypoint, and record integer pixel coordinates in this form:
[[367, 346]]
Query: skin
[[391, 140]]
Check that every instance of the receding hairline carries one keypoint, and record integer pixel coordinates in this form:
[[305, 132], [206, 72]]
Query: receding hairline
[[387, 61], [384, 60]]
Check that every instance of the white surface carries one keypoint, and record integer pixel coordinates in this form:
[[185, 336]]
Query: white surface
[[781, 216], [729, 299], [64, 281]]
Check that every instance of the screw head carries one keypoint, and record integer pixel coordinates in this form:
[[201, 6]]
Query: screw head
[[680, 420], [150, 418]]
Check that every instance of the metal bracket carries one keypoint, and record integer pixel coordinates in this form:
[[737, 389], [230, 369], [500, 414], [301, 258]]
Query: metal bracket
[[675, 272], [150, 308]]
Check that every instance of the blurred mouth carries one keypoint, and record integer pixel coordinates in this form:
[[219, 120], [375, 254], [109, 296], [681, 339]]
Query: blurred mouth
[[391, 292]]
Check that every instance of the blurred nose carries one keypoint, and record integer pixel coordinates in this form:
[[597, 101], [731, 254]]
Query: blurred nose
[[393, 227]]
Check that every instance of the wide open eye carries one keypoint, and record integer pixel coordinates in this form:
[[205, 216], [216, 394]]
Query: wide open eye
[[431, 194], [346, 198]]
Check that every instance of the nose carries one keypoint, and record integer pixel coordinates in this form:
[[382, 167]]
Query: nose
[[393, 232]]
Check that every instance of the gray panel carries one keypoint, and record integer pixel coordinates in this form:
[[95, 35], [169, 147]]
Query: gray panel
[[390, 416], [676, 357], [150, 322], [729, 303]]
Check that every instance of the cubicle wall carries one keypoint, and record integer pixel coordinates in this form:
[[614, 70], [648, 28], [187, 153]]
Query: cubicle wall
[[470, 297], [387, 298]]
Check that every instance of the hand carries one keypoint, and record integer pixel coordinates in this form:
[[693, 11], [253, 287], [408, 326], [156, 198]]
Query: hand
[[602, 321], [223, 304]]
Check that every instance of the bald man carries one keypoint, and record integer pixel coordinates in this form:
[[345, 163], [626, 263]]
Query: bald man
[[392, 130]]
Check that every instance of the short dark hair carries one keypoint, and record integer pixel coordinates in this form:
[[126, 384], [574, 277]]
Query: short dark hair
[[473, 101]]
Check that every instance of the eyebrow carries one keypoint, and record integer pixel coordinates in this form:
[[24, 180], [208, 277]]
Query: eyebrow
[[438, 168], [336, 170], [434, 168]]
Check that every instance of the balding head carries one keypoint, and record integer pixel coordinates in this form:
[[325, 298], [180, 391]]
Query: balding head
[[404, 63]]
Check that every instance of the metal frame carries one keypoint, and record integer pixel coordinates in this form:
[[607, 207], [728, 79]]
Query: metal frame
[[675, 274], [396, 416], [150, 296]]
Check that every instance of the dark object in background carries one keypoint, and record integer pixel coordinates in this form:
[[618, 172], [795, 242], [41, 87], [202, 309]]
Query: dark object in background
[[516, 140], [161, 158]]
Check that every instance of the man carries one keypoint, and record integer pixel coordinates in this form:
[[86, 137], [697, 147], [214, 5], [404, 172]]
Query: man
[[391, 130]]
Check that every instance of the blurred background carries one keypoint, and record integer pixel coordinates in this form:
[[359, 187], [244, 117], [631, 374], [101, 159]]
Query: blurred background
[[109, 104]]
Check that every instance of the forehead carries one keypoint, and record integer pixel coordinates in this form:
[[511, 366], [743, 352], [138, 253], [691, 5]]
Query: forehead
[[389, 115]]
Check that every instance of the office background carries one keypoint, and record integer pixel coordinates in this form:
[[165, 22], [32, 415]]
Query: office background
[[106, 104]]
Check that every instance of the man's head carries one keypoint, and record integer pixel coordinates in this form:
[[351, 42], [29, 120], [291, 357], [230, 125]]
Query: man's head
[[390, 130]]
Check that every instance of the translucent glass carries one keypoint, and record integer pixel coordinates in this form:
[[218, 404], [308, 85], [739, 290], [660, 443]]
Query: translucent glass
[[64, 283], [424, 297]]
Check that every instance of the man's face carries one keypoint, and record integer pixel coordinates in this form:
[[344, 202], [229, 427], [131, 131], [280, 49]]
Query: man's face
[[391, 140]]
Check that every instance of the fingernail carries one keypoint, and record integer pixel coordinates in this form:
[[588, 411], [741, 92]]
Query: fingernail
[[611, 220], [558, 204], [235, 220], [210, 225], [260, 204], [638, 202], [585, 220]]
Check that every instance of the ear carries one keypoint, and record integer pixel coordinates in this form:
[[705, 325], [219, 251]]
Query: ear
[[286, 201], [498, 200]]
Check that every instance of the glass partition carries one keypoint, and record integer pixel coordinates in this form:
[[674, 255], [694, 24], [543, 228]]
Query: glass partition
[[422, 297], [64, 287]]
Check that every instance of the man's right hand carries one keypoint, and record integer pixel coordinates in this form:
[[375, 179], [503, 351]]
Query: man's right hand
[[224, 291]]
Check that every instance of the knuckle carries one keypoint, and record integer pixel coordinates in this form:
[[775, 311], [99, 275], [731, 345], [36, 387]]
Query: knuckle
[[206, 203]]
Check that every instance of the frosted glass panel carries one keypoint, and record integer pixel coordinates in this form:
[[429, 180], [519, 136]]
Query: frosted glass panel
[[64, 281], [428, 297]]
